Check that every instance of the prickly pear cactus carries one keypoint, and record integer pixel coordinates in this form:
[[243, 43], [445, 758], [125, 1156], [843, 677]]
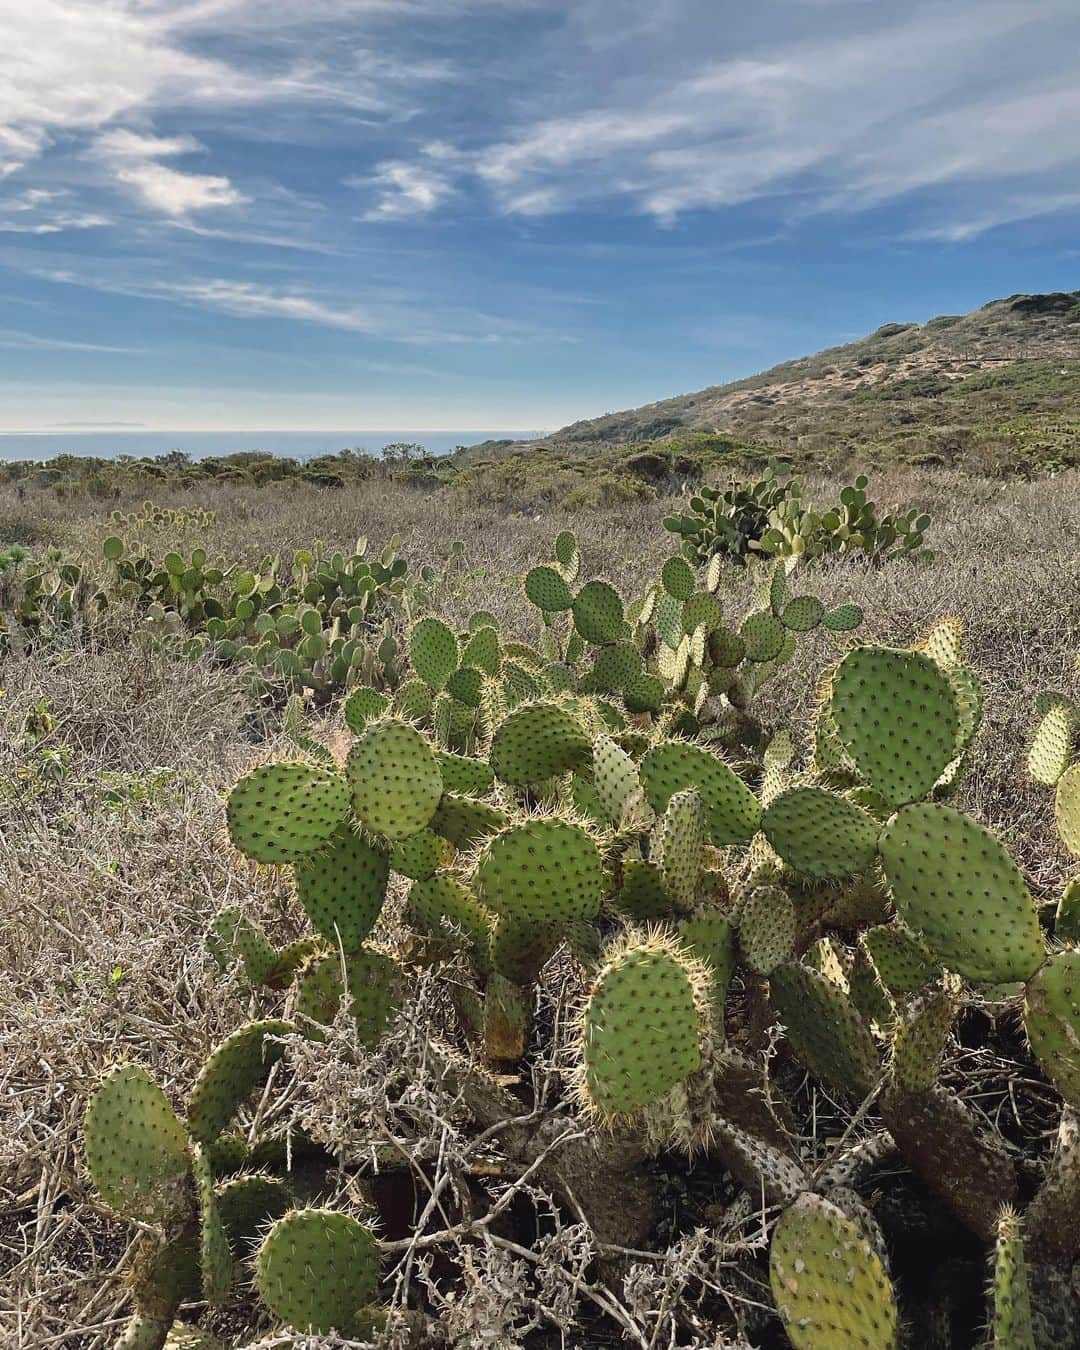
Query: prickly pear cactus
[[317, 1269], [829, 1284], [233, 1071], [342, 888], [820, 834], [279, 812], [1012, 1328], [542, 870], [395, 779], [732, 810], [1052, 1021], [136, 1148], [536, 742]]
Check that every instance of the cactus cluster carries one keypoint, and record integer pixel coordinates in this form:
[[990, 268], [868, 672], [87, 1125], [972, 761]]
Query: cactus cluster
[[576, 797]]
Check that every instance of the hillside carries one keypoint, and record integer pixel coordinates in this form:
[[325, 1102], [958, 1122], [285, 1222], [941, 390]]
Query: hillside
[[1001, 384]]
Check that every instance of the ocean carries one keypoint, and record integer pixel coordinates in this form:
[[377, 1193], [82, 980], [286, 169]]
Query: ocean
[[199, 444]]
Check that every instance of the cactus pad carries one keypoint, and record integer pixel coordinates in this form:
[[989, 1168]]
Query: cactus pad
[[954, 883], [246, 1204], [541, 871], [1067, 918], [395, 779], [903, 965], [342, 888], [232, 934], [896, 715], [238, 1065], [215, 1255], [440, 906], [1012, 1324], [433, 652], [919, 1037], [678, 845], [1052, 1021], [820, 834], [598, 613], [316, 1269], [136, 1148], [464, 820], [363, 706], [824, 1030], [642, 895], [762, 634], [482, 650], [803, 613], [1067, 809], [536, 742], [677, 578], [520, 948], [279, 812], [615, 778], [944, 643], [461, 773], [371, 981], [731, 808], [418, 856], [1051, 745], [642, 1026], [547, 589], [616, 666], [842, 619], [767, 928], [829, 1284]]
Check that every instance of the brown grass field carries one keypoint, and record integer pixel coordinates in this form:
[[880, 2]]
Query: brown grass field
[[109, 877]]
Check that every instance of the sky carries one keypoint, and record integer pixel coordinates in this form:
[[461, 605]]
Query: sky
[[220, 214]]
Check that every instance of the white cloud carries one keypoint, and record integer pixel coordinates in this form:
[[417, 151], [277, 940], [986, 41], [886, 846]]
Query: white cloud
[[247, 300], [40, 211], [15, 339], [133, 160], [403, 190]]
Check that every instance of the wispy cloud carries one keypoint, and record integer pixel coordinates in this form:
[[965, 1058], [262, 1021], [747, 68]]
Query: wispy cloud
[[402, 190], [134, 160], [14, 339], [40, 211]]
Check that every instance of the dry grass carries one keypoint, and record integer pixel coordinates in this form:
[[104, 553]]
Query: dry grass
[[107, 883]]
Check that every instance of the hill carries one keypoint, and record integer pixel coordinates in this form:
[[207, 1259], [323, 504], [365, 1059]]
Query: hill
[[1000, 385]]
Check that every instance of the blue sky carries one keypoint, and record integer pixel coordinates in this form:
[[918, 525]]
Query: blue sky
[[476, 213]]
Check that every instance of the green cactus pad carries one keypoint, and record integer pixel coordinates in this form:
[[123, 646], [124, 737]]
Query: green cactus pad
[[678, 845], [316, 1269], [842, 619], [1067, 809], [136, 1148], [482, 651], [433, 652], [616, 666], [246, 1205], [1012, 1322], [642, 895], [363, 706], [547, 589], [371, 980], [465, 685], [465, 821], [537, 742], [615, 778], [919, 1037], [820, 834], [441, 906], [279, 812], [762, 634], [541, 871], [944, 643], [1051, 745], [708, 935], [803, 613], [954, 883], [642, 1026], [289, 960], [677, 578], [643, 694], [902, 963], [896, 715], [235, 1068], [725, 648], [342, 889], [1052, 1021], [1067, 918], [732, 809], [767, 928], [215, 1254], [598, 613], [232, 934], [413, 701], [418, 856], [461, 773], [395, 779], [824, 1030], [566, 554], [702, 610], [829, 1284], [520, 948]]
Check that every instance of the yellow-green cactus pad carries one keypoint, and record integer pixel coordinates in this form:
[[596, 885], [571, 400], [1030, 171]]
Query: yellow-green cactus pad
[[482, 650], [598, 613], [418, 856], [316, 1269], [616, 666], [763, 636], [944, 643], [642, 1026], [547, 589], [433, 652], [464, 820], [215, 1254], [919, 1036], [541, 871], [462, 773], [395, 779], [1067, 809], [954, 883], [536, 742], [842, 619], [767, 928], [363, 706], [903, 964], [615, 778], [829, 1284], [278, 812], [1067, 918], [1012, 1323], [824, 1029], [732, 810], [370, 979], [136, 1148], [896, 715], [234, 1070], [1052, 1021], [342, 889], [820, 834], [678, 845]]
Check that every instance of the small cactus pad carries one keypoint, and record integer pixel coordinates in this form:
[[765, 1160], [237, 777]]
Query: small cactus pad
[[677, 578], [678, 845], [536, 742], [803, 613], [732, 809], [842, 619], [767, 928], [829, 1284], [642, 1026], [441, 906], [215, 1255], [370, 979], [708, 936], [136, 1148], [826, 1033], [1067, 809], [342, 888], [1012, 1324], [395, 779], [944, 643], [763, 636], [615, 778], [1051, 745], [896, 714], [418, 856], [642, 895], [541, 871], [567, 555], [902, 963], [238, 1065], [433, 652], [363, 706], [616, 666], [1067, 918], [279, 812], [1052, 1021], [464, 821], [954, 883], [482, 650], [547, 589], [246, 1204], [461, 773], [316, 1269], [183, 1336], [232, 934], [598, 613], [520, 948], [820, 834], [919, 1037]]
